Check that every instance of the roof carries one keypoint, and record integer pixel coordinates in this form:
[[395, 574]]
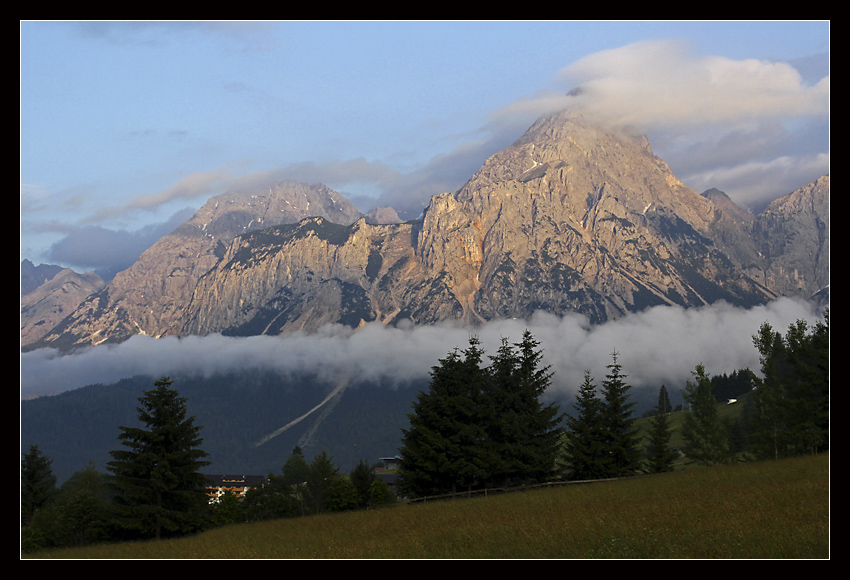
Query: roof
[[236, 480]]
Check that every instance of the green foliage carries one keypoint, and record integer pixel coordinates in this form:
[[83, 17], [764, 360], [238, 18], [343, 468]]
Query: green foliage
[[705, 439], [159, 488], [756, 510], [78, 514], [620, 441], [380, 493], [38, 484], [227, 509], [273, 500], [659, 454], [584, 446], [477, 427], [789, 411], [362, 478]]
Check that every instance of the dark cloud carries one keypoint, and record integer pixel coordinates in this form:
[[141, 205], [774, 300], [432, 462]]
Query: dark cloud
[[105, 250]]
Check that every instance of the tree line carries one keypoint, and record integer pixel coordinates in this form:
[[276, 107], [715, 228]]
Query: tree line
[[155, 489], [476, 426]]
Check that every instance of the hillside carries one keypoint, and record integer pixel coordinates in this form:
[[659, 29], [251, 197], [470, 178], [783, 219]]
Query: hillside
[[766, 510]]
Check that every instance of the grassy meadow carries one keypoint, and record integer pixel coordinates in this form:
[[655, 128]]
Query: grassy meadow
[[771, 509]]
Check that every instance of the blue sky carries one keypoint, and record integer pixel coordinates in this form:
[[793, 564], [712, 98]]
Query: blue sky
[[128, 127]]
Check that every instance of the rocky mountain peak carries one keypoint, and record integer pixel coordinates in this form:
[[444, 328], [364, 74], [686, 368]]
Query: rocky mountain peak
[[572, 217]]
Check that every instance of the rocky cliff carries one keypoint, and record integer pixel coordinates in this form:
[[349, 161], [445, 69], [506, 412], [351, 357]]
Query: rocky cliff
[[44, 306], [570, 218], [150, 296]]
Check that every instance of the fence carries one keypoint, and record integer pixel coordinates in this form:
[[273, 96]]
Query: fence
[[486, 491]]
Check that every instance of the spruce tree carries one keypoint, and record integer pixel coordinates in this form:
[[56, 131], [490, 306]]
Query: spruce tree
[[664, 405], [443, 449], [705, 439], [156, 478], [522, 431], [543, 430], [620, 439], [788, 412], [660, 456], [38, 484], [583, 441]]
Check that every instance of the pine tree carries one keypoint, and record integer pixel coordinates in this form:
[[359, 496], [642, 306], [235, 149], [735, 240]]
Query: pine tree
[[443, 449], [583, 440], [543, 421], [621, 440], [664, 405], [659, 454], [362, 478], [38, 484], [156, 477], [788, 413], [766, 412], [705, 440], [522, 432]]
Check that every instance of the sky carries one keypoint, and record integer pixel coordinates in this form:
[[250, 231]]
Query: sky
[[129, 127]]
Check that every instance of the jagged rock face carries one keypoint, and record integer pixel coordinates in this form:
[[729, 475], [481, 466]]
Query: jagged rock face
[[574, 218], [570, 218], [150, 296], [45, 306], [792, 234]]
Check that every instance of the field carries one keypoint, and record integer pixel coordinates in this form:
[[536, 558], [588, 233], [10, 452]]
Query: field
[[773, 509]]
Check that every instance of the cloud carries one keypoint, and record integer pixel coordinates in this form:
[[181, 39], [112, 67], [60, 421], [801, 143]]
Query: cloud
[[91, 247], [660, 84], [199, 184], [659, 346]]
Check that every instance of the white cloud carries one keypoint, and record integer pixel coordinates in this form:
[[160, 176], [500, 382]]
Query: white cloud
[[659, 346], [660, 84]]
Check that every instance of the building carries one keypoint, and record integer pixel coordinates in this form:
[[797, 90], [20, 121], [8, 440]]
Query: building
[[238, 484]]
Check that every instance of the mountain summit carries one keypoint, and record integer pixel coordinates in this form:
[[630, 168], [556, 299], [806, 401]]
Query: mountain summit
[[572, 217]]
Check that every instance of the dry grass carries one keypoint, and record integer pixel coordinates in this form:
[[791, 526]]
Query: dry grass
[[752, 510]]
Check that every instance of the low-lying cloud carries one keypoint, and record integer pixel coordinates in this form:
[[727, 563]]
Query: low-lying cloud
[[659, 346]]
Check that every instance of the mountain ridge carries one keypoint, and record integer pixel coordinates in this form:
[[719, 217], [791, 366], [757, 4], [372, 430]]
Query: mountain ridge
[[572, 217]]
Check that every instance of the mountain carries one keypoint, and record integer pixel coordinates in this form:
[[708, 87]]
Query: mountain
[[45, 306], [572, 217], [149, 297], [33, 276]]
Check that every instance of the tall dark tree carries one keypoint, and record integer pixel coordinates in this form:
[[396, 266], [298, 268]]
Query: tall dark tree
[[443, 449], [659, 454], [319, 486], [664, 405], [38, 484], [766, 412], [584, 450], [159, 488], [362, 478], [523, 432], [788, 413], [621, 440], [705, 437]]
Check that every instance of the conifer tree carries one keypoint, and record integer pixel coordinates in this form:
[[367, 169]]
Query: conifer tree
[[443, 449], [705, 439], [522, 432], [620, 439], [664, 405], [157, 481], [38, 484], [543, 421], [659, 454], [583, 441], [788, 413]]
